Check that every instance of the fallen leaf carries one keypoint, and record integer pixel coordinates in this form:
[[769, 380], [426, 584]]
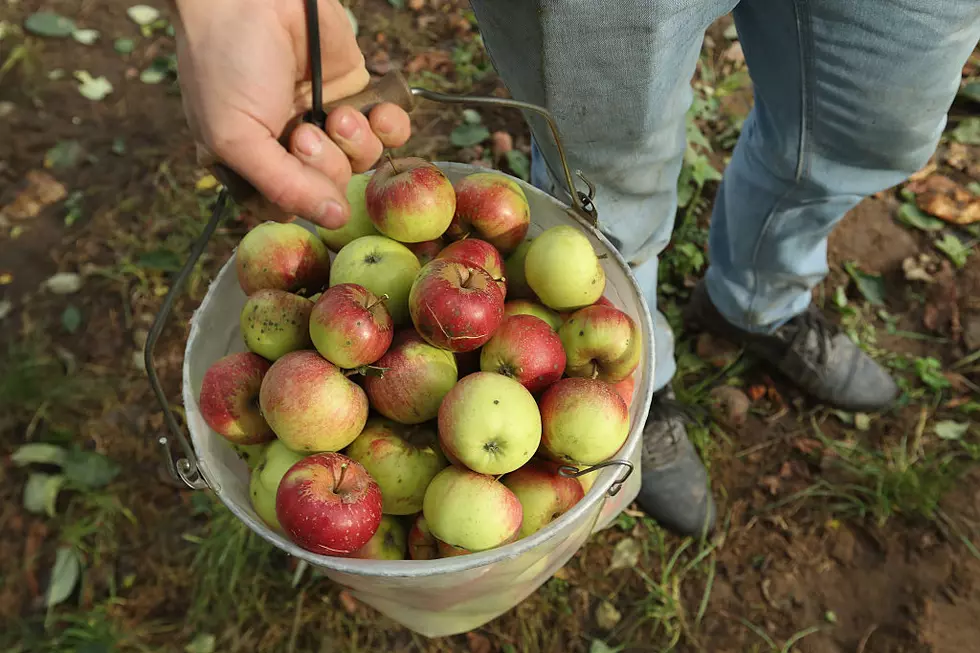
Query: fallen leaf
[[771, 483], [41, 191], [730, 405], [934, 183], [968, 131], [734, 53], [6, 308], [947, 200], [954, 249], [957, 155], [39, 453], [871, 286], [64, 283], [64, 154], [807, 446], [467, 135], [71, 319], [923, 172], [85, 36], [41, 493], [518, 163], [625, 555], [90, 469], [124, 46], [757, 392], [913, 216], [161, 259], [92, 88], [152, 76], [435, 61], [64, 576], [607, 616], [48, 23], [143, 15], [950, 430], [957, 381], [599, 646], [203, 643], [416, 5], [731, 32], [918, 268], [478, 643], [207, 182], [862, 421]]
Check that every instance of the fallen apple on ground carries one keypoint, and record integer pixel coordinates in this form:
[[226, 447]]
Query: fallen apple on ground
[[389, 542], [350, 326], [455, 306], [526, 349], [544, 494], [584, 421], [359, 224], [471, 511], [563, 269], [275, 322], [416, 376], [601, 342], [527, 307], [282, 256], [421, 542], [310, 404], [401, 459], [328, 504], [264, 482], [479, 253], [493, 207], [383, 266], [490, 423], [229, 398], [410, 200]]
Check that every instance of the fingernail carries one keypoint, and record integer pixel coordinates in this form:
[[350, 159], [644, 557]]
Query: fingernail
[[347, 127], [309, 140], [331, 212]]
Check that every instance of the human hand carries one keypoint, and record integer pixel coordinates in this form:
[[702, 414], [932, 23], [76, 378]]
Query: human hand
[[245, 75]]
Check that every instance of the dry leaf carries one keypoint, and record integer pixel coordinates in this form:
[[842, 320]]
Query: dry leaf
[[607, 616], [478, 643], [348, 601], [807, 445], [923, 172], [436, 61], [771, 483], [42, 190], [734, 53], [944, 198], [957, 155], [919, 268], [626, 554], [757, 392]]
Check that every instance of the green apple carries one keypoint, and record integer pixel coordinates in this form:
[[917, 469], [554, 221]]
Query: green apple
[[584, 421], [517, 287], [527, 307], [563, 270], [389, 542], [471, 511], [264, 483], [544, 494], [383, 266], [276, 322], [359, 223], [402, 459], [601, 342], [251, 453]]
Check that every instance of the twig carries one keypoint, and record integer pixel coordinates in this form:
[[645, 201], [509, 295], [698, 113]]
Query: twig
[[866, 638]]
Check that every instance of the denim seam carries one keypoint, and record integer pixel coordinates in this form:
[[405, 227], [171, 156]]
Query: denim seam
[[805, 42]]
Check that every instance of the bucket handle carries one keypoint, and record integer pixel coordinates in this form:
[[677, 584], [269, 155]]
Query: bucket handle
[[574, 472]]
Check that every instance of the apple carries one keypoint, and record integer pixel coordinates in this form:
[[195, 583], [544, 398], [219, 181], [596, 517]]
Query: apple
[[359, 224], [544, 494], [415, 378], [350, 326], [587, 480], [490, 423], [381, 265], [563, 270], [601, 343], [251, 453], [229, 398], [410, 200], [264, 482], [421, 543], [525, 348], [310, 404], [514, 270], [282, 256], [427, 249], [328, 504], [479, 253], [584, 421], [527, 307], [471, 511], [455, 306], [493, 207], [625, 388], [450, 551], [389, 542], [402, 459], [276, 322]]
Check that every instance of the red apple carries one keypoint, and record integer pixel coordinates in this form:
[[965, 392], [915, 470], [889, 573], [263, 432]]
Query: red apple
[[455, 306], [282, 256], [450, 551], [387, 543], [410, 200], [525, 348], [229, 398], [350, 326], [625, 388], [415, 378], [491, 206], [527, 307], [544, 494], [310, 404], [601, 342], [479, 253], [328, 504], [427, 249], [604, 301], [421, 542], [584, 421]]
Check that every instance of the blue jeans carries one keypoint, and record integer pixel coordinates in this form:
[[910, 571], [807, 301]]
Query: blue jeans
[[851, 97]]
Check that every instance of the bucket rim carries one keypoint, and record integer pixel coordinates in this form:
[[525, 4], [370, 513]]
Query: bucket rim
[[409, 568]]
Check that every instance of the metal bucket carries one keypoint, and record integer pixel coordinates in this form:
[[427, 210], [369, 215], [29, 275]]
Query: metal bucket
[[436, 597]]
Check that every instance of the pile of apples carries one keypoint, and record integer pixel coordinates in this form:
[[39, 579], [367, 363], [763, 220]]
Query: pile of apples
[[415, 397]]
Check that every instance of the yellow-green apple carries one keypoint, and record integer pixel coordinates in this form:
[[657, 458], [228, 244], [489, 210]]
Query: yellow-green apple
[[471, 511], [264, 482], [479, 253], [584, 421], [282, 256], [389, 542], [328, 504], [527, 307], [525, 348], [563, 270], [450, 551], [350, 326], [544, 494], [455, 306], [415, 378], [381, 265], [229, 398], [427, 249], [490, 423], [601, 343], [410, 200], [421, 542], [359, 224], [276, 322], [587, 480], [625, 388], [402, 459], [310, 404], [251, 453], [514, 271], [491, 206]]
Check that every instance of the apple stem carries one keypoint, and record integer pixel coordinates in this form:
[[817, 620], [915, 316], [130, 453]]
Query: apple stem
[[343, 471], [382, 298], [391, 161], [595, 371], [501, 279]]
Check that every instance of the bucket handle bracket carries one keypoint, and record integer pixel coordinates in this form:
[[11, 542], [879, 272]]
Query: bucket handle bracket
[[573, 472]]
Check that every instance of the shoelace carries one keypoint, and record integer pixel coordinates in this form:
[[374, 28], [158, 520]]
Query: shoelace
[[810, 321]]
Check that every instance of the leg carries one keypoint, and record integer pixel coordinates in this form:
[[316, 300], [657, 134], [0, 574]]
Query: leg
[[851, 98], [616, 76]]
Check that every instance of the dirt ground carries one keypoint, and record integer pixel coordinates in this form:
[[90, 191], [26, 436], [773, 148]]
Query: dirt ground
[[840, 533]]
